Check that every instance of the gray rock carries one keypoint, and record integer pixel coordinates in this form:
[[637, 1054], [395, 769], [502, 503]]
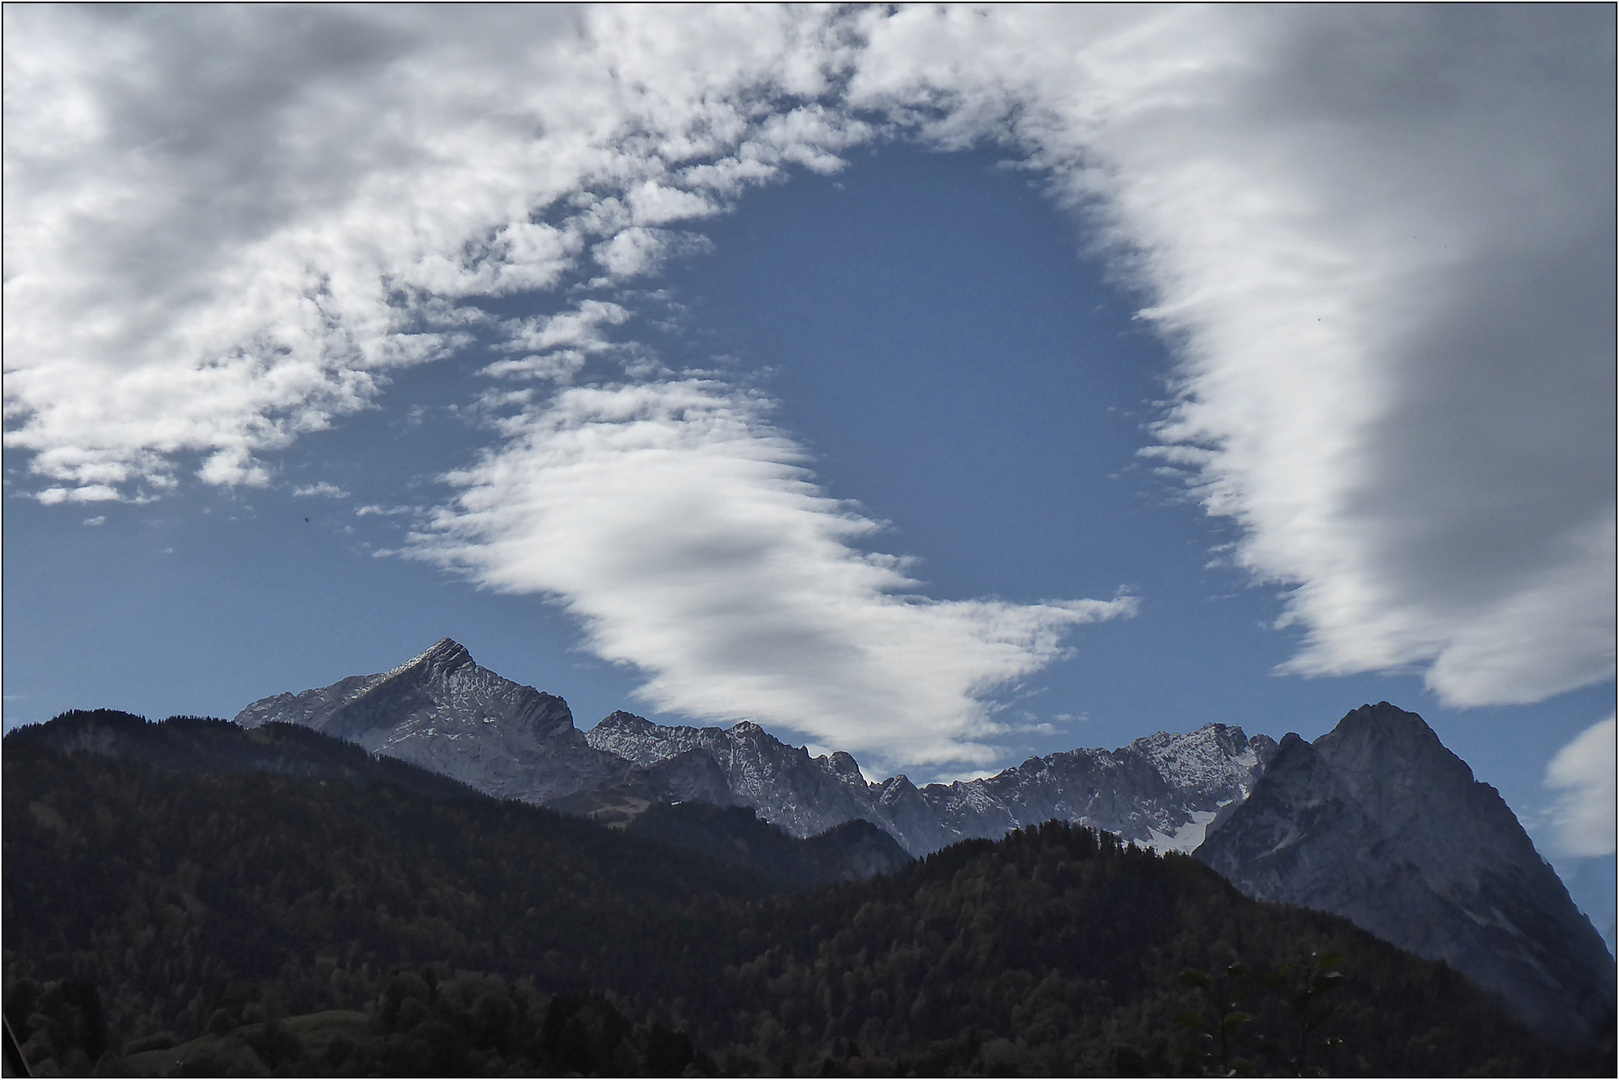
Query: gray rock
[[803, 796], [1160, 791], [1378, 822], [441, 711]]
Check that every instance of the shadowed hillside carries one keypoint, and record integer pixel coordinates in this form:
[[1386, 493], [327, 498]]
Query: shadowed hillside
[[275, 916]]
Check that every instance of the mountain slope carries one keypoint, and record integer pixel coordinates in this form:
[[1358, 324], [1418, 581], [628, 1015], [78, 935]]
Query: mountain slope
[[1378, 822], [853, 851], [802, 795], [197, 744], [441, 711]]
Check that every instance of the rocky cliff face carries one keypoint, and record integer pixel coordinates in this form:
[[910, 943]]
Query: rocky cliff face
[[802, 795], [1378, 822], [441, 711], [1160, 791]]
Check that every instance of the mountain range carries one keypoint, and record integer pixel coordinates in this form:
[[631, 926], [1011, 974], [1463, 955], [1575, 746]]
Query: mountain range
[[442, 711], [1375, 821], [190, 897]]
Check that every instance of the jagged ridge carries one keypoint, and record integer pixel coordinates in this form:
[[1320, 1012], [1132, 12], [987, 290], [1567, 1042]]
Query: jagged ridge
[[442, 711], [1160, 791]]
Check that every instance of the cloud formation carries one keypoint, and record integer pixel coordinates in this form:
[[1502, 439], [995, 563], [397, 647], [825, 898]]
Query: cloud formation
[[1378, 241], [1584, 770], [224, 227], [323, 489], [686, 535]]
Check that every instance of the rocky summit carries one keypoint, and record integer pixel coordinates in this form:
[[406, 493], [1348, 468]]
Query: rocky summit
[[1377, 821], [441, 711]]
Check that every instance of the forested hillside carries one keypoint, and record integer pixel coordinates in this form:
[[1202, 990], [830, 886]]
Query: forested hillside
[[298, 925]]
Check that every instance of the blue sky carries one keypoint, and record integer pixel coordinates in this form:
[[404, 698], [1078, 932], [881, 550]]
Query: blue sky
[[941, 387]]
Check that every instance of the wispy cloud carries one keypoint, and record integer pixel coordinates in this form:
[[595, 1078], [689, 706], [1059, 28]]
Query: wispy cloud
[[1381, 243], [557, 346], [1584, 771], [691, 542], [322, 489]]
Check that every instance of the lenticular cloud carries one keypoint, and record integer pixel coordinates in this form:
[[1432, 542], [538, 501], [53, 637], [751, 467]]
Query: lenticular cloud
[[1378, 241], [686, 535]]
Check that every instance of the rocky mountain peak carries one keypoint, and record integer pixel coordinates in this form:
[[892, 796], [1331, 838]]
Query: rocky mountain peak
[[1385, 743], [1385, 730], [442, 660], [1379, 822], [625, 720], [1217, 761], [847, 767], [442, 711]]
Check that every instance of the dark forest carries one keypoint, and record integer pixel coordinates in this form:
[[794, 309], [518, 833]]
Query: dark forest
[[202, 912]]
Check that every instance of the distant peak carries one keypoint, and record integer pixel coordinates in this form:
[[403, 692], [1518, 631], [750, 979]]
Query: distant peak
[[445, 656], [620, 718], [448, 647], [845, 764], [1384, 709], [1385, 717]]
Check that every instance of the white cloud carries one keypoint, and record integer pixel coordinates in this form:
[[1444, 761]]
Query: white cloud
[[1584, 770], [1381, 242], [558, 345], [224, 226], [687, 536], [321, 489], [88, 493], [637, 251], [99, 519]]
